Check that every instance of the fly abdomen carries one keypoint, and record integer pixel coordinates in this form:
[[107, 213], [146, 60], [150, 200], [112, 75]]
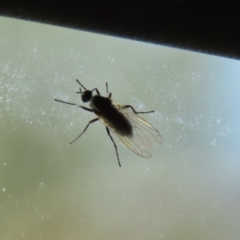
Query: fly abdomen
[[103, 108], [118, 122]]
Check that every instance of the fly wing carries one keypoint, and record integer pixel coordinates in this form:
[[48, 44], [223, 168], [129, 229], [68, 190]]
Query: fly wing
[[144, 133]]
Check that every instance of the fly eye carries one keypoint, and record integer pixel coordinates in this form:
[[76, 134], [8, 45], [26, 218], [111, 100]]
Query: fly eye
[[86, 96]]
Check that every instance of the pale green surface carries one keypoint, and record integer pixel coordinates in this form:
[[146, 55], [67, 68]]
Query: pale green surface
[[189, 189]]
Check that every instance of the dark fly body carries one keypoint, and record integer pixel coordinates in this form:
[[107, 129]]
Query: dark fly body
[[121, 120]]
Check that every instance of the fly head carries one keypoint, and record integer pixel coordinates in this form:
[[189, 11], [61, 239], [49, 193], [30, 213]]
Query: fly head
[[85, 95]]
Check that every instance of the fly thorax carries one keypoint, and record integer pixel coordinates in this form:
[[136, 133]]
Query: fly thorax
[[100, 104]]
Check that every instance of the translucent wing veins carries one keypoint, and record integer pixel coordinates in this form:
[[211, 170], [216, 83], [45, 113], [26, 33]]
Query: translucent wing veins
[[144, 133]]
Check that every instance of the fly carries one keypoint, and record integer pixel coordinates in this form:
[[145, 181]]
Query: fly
[[121, 120]]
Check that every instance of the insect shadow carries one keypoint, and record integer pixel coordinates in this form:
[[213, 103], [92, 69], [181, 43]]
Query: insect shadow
[[121, 120]]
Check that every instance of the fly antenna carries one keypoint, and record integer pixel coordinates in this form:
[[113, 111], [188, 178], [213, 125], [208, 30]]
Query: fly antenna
[[80, 91]]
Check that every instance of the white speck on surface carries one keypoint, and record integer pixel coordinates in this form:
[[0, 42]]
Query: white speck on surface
[[213, 142], [41, 185]]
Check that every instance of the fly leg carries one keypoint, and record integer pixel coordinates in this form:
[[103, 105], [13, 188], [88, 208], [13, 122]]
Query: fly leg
[[80, 90], [92, 121], [108, 132], [129, 106], [74, 104], [109, 94]]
